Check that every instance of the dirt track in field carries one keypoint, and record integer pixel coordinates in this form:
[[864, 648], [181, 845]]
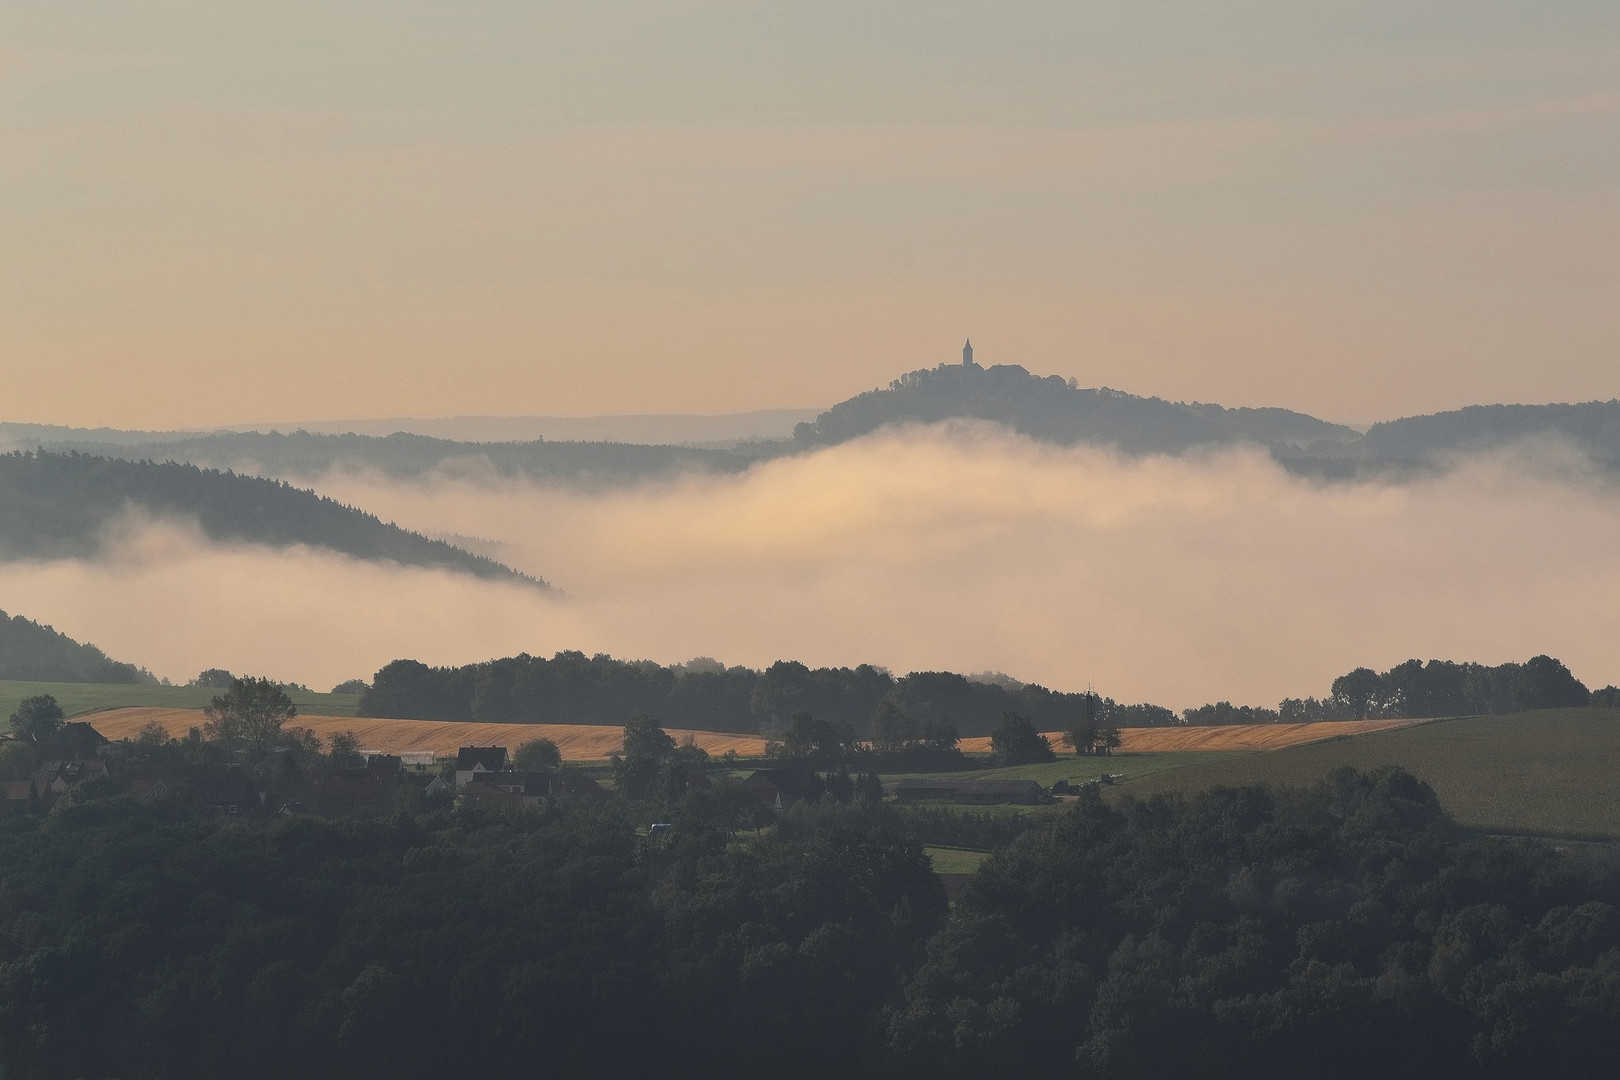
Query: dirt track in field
[[1225, 737], [578, 742]]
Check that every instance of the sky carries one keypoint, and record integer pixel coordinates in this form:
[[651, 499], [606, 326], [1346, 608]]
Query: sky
[[228, 212]]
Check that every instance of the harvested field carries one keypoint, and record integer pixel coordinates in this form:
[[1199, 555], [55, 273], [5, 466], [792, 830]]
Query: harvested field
[[1225, 737], [578, 742]]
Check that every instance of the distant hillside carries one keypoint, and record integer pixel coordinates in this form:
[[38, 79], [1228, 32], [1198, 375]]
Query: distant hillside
[[29, 651], [656, 429], [57, 505], [1055, 410], [303, 454], [1593, 427]]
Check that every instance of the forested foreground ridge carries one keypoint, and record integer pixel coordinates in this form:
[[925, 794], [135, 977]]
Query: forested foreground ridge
[[1348, 930], [59, 505], [35, 653]]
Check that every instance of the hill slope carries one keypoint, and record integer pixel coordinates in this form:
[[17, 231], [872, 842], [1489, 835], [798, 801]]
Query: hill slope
[[1544, 773], [39, 653], [58, 505], [79, 699], [1055, 410]]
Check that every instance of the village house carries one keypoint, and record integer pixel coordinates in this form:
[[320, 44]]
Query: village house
[[473, 762]]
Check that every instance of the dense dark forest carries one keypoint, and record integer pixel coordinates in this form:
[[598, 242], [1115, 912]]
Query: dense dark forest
[[574, 688], [1345, 931], [35, 653], [57, 505]]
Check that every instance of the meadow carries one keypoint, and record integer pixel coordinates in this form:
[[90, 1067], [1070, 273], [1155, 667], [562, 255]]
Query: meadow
[[1548, 773], [77, 699], [1076, 769]]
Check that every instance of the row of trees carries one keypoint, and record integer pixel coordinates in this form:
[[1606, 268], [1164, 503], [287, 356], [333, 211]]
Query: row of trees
[[573, 687], [1418, 689], [1443, 688]]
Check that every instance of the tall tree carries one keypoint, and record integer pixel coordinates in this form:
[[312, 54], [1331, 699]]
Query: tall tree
[[537, 755], [249, 716], [1360, 689], [37, 718], [1016, 742], [1081, 733]]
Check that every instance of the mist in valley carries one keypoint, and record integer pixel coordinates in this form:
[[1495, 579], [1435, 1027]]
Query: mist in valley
[[1176, 580]]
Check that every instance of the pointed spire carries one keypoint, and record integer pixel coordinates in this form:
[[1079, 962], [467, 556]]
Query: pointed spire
[[967, 353]]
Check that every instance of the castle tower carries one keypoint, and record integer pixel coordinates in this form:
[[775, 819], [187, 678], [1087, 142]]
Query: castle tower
[[967, 353]]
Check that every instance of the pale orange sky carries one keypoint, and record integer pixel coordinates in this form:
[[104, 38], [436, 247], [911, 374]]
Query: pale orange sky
[[225, 213]]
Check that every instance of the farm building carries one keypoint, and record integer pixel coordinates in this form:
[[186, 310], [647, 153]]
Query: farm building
[[777, 788], [981, 792]]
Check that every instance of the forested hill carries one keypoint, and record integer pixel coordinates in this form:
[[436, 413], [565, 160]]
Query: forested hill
[[302, 454], [35, 653], [1593, 427], [1056, 410], [58, 505]]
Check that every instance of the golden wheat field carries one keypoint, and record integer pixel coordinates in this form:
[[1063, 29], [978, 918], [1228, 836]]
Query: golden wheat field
[[578, 742], [590, 742], [1226, 737]]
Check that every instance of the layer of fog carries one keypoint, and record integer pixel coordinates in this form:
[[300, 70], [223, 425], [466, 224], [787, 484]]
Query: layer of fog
[[1174, 580]]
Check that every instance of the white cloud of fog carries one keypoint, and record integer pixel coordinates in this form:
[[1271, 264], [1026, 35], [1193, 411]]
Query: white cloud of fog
[[1170, 580]]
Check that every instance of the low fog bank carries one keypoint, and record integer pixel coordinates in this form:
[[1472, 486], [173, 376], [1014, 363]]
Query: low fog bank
[[1173, 580]]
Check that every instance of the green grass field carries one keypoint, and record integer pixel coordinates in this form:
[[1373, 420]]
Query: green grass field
[[950, 860], [77, 699], [1552, 773], [1076, 769]]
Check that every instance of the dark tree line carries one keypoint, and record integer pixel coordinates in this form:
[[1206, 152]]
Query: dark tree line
[[1348, 930], [571, 687], [34, 653], [59, 505], [1418, 689], [1443, 688]]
